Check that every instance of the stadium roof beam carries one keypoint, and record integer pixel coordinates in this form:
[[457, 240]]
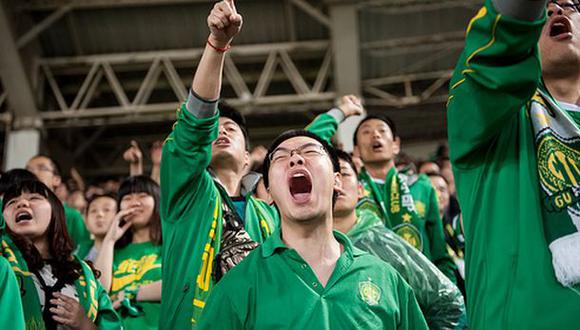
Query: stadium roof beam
[[15, 80], [311, 93], [42, 5]]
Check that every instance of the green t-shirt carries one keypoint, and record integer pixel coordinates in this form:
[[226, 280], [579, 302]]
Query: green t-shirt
[[492, 114], [12, 316], [274, 288], [75, 225], [440, 300], [135, 265], [190, 212]]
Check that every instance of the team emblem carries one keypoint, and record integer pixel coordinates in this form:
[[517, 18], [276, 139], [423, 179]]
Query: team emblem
[[410, 234], [369, 292]]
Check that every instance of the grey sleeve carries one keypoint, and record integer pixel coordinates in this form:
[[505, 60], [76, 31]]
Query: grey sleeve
[[337, 114], [529, 10], [199, 107]]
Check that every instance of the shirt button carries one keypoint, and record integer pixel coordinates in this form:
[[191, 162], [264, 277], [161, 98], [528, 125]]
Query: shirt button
[[304, 266], [186, 288], [314, 284]]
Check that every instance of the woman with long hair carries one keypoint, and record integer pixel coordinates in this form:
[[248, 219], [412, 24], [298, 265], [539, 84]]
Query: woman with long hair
[[57, 289], [130, 254]]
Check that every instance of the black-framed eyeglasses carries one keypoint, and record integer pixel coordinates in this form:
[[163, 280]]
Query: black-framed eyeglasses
[[308, 150], [573, 7]]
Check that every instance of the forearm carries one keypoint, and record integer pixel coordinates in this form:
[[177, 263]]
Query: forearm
[[135, 168], [529, 10], [207, 81], [156, 173], [104, 263], [150, 292]]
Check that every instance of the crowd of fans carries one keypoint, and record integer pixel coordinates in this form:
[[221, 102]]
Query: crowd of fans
[[305, 235]]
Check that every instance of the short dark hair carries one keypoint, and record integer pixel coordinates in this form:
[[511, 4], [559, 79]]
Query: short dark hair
[[14, 177], [343, 155], [141, 184], [105, 195], [291, 134], [383, 118], [437, 175], [232, 113]]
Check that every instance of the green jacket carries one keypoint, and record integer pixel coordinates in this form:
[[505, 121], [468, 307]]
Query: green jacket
[[511, 283], [12, 316], [191, 216], [440, 300], [76, 227], [428, 235], [274, 288]]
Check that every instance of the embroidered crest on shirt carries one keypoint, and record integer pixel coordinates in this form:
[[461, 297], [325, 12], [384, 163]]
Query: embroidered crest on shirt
[[369, 292]]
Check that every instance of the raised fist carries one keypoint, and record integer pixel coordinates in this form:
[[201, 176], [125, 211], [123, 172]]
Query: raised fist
[[133, 154], [224, 23], [350, 105]]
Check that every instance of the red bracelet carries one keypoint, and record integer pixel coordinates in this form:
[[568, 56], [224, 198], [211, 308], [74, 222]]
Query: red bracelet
[[217, 49]]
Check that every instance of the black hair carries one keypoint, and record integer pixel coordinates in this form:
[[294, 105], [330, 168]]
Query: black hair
[[438, 175], [294, 133], [65, 265], [105, 195], [343, 155], [291, 134], [141, 184], [232, 113], [383, 118], [14, 177]]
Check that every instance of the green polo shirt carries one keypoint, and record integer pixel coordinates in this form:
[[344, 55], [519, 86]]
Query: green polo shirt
[[274, 288]]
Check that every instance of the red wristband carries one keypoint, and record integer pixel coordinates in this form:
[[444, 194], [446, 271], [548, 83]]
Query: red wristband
[[217, 49]]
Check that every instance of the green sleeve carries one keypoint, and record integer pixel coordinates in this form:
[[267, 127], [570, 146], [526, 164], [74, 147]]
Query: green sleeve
[[107, 317], [75, 225], [219, 312], [12, 316], [186, 155], [438, 246], [497, 74], [324, 125], [411, 316]]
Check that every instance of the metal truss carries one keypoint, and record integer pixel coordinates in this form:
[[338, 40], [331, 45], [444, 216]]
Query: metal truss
[[409, 89], [101, 72]]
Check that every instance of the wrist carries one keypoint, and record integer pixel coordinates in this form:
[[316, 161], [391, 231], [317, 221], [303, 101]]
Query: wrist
[[215, 43]]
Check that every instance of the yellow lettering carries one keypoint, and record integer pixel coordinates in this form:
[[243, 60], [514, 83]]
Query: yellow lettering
[[563, 159]]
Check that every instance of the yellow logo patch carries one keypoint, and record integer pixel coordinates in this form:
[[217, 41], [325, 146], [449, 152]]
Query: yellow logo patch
[[558, 165], [410, 234], [369, 292]]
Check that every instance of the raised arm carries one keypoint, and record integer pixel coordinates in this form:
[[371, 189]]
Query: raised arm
[[497, 74], [187, 150], [326, 124]]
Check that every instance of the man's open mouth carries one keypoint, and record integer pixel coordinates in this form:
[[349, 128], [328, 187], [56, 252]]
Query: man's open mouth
[[222, 141], [300, 185], [23, 216], [377, 146], [560, 28]]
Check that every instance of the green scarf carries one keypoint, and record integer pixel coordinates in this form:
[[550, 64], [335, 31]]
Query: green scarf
[[557, 140], [395, 204], [85, 285], [204, 281]]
